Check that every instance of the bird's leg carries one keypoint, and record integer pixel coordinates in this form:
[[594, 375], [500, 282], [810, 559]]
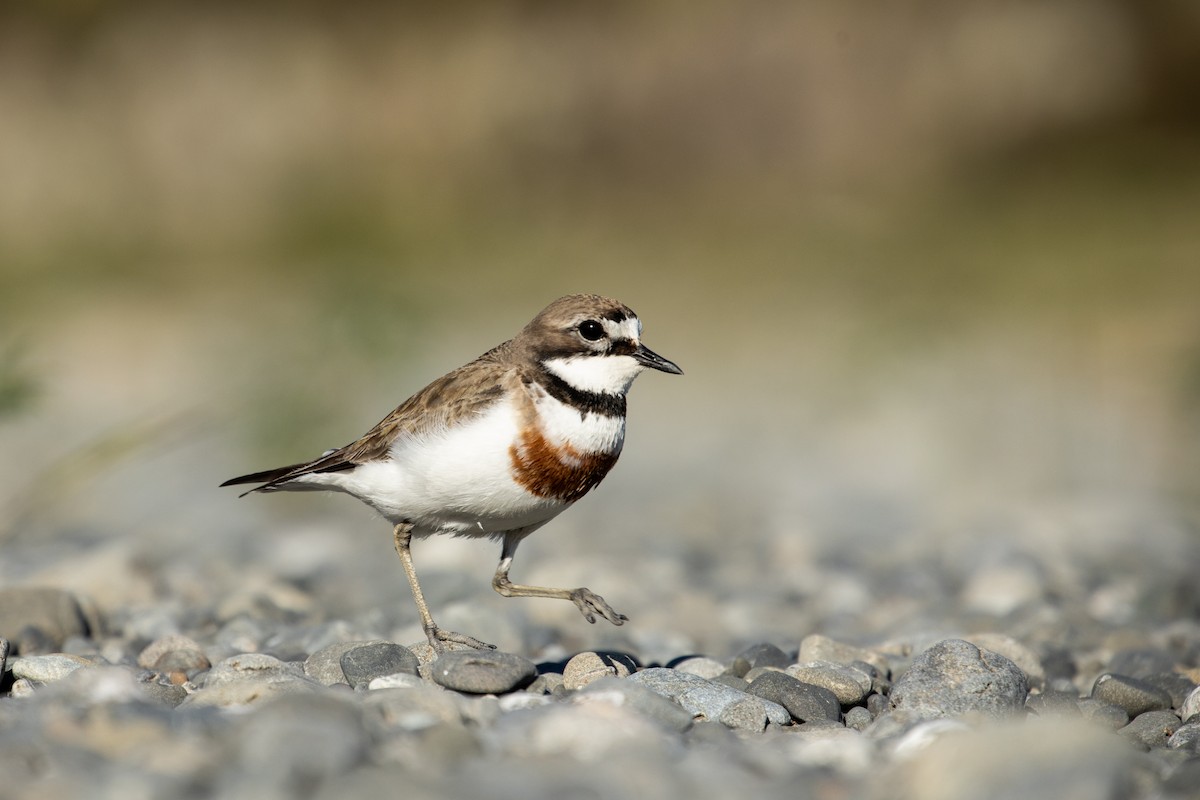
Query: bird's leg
[[438, 638], [588, 602]]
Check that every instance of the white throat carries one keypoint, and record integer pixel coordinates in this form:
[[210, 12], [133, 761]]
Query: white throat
[[602, 374]]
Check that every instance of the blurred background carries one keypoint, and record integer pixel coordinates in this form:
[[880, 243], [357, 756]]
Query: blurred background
[[931, 269]]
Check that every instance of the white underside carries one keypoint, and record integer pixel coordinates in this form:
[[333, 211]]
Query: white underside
[[460, 481]]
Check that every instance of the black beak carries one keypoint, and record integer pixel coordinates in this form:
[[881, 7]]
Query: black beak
[[648, 358]]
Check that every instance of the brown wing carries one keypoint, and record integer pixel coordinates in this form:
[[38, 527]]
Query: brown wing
[[464, 392]]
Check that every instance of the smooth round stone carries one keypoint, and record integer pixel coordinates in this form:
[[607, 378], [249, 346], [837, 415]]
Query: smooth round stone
[[173, 653], [1176, 685], [1134, 696], [584, 668], [166, 694], [361, 665], [1191, 705], [325, 665], [858, 718], [816, 647], [848, 684], [396, 680], [48, 668], [1015, 652], [748, 713], [252, 667], [1186, 737], [804, 701], [1153, 728], [701, 666], [482, 671], [759, 655], [1109, 716], [705, 699], [955, 677]]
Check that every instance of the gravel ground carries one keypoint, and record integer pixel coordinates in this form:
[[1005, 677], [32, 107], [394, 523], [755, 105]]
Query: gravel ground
[[936, 668]]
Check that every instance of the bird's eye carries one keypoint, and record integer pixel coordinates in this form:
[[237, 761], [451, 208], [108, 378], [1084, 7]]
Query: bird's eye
[[591, 330]]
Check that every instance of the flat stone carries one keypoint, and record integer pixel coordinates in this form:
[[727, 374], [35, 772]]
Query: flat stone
[[646, 702], [396, 680], [247, 692], [48, 668], [44, 615], [1186, 737], [252, 666], [848, 684], [1135, 696], [701, 666], [1109, 716], [705, 699], [482, 672], [804, 701], [586, 667], [173, 653], [816, 647], [325, 665], [764, 654], [1152, 728], [363, 664], [955, 677]]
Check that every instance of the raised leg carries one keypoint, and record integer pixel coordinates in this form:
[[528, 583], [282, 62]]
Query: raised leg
[[438, 638], [588, 602]]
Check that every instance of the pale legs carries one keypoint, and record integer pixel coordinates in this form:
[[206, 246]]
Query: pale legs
[[402, 533], [588, 602]]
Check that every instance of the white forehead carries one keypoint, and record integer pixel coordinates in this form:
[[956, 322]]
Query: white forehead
[[629, 328]]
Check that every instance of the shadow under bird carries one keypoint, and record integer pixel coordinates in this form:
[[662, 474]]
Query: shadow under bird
[[498, 447]]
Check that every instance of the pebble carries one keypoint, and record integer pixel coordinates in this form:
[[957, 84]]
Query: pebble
[[1141, 662], [1108, 716], [816, 647], [955, 677], [325, 665], [858, 718], [365, 663], [1152, 728], [1015, 652], [708, 700], [1176, 685], [1130, 694], [42, 618], [1191, 705], [173, 653], [48, 668], [395, 680], [701, 666], [803, 701], [763, 654], [1186, 737], [587, 667], [645, 701], [482, 671], [848, 684]]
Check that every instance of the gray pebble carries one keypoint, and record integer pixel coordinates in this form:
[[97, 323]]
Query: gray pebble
[[644, 701], [38, 619], [1051, 702], [1176, 685], [705, 699], [759, 655], [858, 718], [956, 677], [1152, 728], [546, 683], [395, 680], [1015, 652], [1186, 737], [877, 704], [173, 653], [701, 666], [48, 668], [413, 709], [325, 665], [804, 701], [816, 647], [733, 682], [1109, 716], [1191, 705], [363, 664], [1134, 696], [848, 684], [166, 694], [482, 671], [584, 668], [252, 666]]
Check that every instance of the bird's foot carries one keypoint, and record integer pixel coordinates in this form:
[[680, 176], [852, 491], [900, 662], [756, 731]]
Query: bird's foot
[[438, 639], [590, 604]]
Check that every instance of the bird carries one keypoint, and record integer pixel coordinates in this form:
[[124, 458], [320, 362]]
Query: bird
[[498, 447]]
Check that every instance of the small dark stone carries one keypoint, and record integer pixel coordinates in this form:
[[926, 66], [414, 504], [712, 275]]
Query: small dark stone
[[877, 704], [803, 701], [1109, 716], [764, 654], [1134, 696], [1153, 728], [363, 664], [482, 671]]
